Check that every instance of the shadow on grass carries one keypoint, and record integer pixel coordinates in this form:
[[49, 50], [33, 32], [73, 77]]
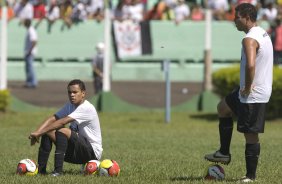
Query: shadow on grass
[[209, 117], [73, 172], [194, 178], [187, 178]]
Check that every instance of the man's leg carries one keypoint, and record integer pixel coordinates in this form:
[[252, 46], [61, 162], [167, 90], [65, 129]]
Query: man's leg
[[225, 133], [43, 154], [62, 136], [252, 152], [30, 73], [225, 127]]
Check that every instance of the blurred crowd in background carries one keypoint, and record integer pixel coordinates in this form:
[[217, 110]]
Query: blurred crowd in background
[[75, 11]]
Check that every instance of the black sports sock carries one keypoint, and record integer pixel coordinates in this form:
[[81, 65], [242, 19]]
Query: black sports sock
[[252, 153], [61, 147], [43, 153], [225, 132]]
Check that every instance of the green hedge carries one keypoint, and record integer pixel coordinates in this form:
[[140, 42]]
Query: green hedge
[[226, 79], [4, 99]]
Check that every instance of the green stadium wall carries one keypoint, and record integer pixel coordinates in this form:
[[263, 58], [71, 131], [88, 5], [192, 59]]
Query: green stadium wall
[[64, 54]]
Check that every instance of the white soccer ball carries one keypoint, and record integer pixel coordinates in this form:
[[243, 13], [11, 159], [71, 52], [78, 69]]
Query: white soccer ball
[[27, 167]]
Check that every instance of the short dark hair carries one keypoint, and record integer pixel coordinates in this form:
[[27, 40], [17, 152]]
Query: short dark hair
[[247, 9], [78, 82], [27, 22]]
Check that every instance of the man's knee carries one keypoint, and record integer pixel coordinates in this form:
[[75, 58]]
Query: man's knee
[[223, 109], [65, 131], [251, 138]]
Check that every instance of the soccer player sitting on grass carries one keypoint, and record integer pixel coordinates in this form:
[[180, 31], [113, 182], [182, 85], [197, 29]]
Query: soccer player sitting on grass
[[77, 144]]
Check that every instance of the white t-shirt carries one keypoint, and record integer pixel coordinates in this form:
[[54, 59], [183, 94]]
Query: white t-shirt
[[23, 12], [31, 36], [136, 12], [54, 14], [95, 5], [262, 83], [218, 4], [270, 14], [181, 12], [86, 118]]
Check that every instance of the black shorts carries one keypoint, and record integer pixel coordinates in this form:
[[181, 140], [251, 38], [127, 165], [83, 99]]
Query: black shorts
[[251, 116], [79, 150]]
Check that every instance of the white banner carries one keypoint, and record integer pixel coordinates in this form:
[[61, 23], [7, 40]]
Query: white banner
[[128, 38]]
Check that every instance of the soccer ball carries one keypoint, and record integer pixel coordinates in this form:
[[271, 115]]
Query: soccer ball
[[215, 172], [109, 168], [27, 167], [91, 167]]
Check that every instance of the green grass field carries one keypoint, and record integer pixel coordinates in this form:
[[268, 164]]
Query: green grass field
[[147, 149]]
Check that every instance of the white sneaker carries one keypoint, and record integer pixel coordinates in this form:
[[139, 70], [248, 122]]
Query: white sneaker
[[245, 179], [218, 157]]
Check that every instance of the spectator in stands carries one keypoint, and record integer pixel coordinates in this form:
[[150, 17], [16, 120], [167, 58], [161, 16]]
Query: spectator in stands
[[260, 11], [126, 14], [218, 7], [197, 13], [39, 11], [181, 11], [23, 10], [30, 50], [66, 13], [136, 11], [276, 36], [230, 14], [117, 11], [170, 5], [95, 10], [79, 13], [162, 10], [52, 14], [157, 12], [279, 10], [97, 68], [145, 5], [10, 11], [253, 2], [132, 10], [270, 12]]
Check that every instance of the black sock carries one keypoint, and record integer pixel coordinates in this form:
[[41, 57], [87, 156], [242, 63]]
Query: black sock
[[252, 153], [61, 147], [225, 133], [43, 153]]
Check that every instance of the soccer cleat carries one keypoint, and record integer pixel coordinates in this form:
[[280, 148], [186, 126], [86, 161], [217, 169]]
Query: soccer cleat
[[55, 174], [245, 179], [217, 157]]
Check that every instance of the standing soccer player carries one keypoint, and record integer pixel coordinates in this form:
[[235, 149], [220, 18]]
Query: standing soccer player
[[97, 68], [30, 51], [77, 144], [249, 101]]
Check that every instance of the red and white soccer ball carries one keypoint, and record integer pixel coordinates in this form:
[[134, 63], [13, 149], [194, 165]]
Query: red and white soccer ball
[[27, 167], [109, 168], [91, 167], [215, 172]]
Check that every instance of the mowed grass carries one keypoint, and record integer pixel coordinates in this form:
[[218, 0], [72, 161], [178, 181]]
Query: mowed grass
[[147, 149]]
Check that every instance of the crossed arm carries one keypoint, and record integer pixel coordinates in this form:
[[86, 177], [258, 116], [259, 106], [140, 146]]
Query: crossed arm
[[48, 125]]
